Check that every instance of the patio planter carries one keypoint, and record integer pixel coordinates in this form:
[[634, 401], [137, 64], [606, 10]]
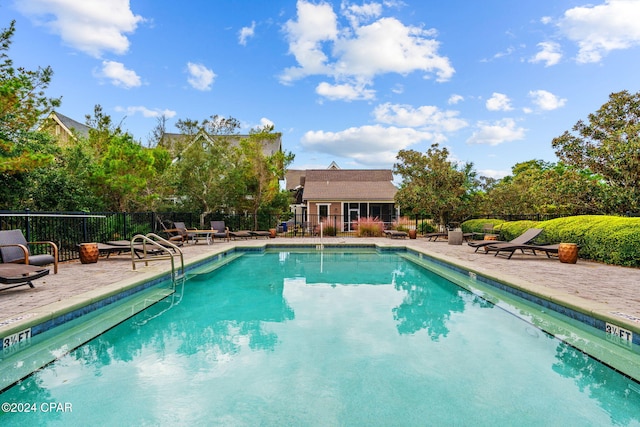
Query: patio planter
[[455, 237], [89, 253], [568, 253]]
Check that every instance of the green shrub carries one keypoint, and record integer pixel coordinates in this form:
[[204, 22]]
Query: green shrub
[[426, 227], [608, 239], [477, 225], [329, 230]]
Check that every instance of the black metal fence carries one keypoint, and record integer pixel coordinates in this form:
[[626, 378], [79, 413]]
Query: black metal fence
[[68, 229]]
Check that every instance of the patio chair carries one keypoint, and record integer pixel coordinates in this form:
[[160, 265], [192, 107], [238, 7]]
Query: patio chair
[[182, 231], [14, 248], [510, 249], [174, 235], [222, 231], [522, 239], [16, 275]]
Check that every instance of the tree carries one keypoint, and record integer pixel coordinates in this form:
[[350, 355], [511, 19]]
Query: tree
[[260, 172], [205, 168], [22, 104], [536, 186], [432, 184], [609, 145]]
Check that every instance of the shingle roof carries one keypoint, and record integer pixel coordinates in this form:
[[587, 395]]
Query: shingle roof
[[349, 184], [70, 124], [269, 147], [295, 178]]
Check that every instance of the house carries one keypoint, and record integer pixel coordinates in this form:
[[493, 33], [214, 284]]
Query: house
[[342, 196], [176, 143], [64, 128]]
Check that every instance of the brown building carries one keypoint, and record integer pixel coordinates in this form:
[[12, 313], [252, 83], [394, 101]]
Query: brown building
[[341, 196]]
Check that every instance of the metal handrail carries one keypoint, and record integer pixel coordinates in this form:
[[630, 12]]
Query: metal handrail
[[153, 239]]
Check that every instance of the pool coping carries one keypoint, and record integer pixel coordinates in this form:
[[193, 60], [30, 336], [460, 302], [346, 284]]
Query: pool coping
[[591, 313]]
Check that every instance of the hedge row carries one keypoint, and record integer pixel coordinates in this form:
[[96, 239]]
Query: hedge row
[[608, 239]]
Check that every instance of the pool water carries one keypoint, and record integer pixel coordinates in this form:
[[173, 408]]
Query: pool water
[[326, 338]]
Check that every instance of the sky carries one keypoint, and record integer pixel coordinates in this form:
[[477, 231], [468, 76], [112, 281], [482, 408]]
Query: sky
[[493, 81]]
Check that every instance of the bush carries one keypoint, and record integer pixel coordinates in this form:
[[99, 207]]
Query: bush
[[329, 230], [426, 227], [477, 225], [609, 239], [368, 227]]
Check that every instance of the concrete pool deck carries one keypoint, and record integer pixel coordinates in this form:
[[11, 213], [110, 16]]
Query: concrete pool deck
[[608, 292]]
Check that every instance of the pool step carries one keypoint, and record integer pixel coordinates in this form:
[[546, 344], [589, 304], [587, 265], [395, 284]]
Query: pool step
[[18, 361], [209, 267]]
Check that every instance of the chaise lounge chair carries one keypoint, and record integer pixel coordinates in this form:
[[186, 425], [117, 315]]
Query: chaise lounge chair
[[510, 249], [395, 234], [14, 248], [16, 275], [522, 239], [433, 237], [260, 233]]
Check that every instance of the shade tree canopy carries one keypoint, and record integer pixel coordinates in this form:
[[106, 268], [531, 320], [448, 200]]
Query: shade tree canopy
[[608, 144]]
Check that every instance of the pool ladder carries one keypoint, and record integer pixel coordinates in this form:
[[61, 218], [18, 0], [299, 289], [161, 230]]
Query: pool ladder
[[155, 248]]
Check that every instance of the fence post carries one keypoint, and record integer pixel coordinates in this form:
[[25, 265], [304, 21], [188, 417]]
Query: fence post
[[27, 223], [84, 230], [124, 224]]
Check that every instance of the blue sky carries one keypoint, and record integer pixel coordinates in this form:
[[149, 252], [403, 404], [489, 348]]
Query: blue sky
[[494, 81]]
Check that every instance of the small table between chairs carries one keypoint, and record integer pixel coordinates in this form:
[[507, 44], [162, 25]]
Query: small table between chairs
[[206, 233]]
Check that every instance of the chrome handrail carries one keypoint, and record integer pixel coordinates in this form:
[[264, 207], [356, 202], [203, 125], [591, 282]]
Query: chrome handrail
[[155, 240]]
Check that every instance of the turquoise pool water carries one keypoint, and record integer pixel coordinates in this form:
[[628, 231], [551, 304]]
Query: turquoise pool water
[[326, 338]]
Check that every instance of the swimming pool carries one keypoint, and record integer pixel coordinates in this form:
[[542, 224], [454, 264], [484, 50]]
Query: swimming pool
[[332, 338]]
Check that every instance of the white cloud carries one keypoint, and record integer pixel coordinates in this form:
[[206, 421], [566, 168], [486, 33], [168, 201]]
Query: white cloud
[[146, 112], [356, 14], [368, 145], [545, 100], [499, 102], [496, 133], [200, 77], [346, 92], [119, 75], [359, 52], [454, 99], [388, 46], [426, 117], [602, 28], [246, 32], [550, 53], [91, 26], [491, 173], [398, 89], [266, 122], [316, 24]]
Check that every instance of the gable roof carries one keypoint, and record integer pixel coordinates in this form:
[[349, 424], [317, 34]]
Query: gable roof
[[349, 184], [295, 177], [67, 124], [169, 140]]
